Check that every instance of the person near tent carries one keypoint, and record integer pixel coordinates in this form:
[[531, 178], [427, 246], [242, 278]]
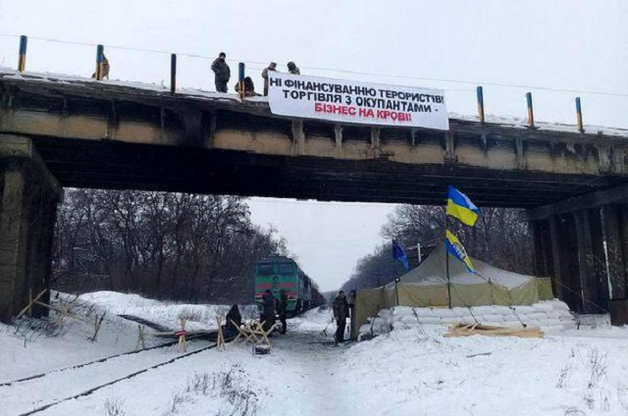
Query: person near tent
[[234, 320], [351, 302], [341, 311], [268, 310], [282, 307], [105, 68], [249, 87], [271, 67], [222, 73], [293, 69]]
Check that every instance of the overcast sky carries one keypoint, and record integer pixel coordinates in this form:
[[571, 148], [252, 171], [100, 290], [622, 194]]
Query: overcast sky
[[570, 44]]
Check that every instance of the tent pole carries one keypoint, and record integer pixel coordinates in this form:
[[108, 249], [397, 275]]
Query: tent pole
[[447, 261], [396, 291]]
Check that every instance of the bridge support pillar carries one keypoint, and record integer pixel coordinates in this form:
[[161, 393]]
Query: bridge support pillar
[[29, 195], [570, 249]]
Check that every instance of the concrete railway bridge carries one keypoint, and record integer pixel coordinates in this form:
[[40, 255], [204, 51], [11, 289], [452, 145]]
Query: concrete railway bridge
[[61, 132]]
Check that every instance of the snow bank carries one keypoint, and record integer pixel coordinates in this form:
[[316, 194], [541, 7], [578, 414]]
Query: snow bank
[[167, 314], [551, 315]]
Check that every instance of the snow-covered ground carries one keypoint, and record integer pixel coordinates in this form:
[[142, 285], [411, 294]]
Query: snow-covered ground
[[166, 314], [409, 371]]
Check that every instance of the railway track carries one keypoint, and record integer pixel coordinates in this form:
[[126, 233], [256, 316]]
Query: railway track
[[58, 386], [100, 360]]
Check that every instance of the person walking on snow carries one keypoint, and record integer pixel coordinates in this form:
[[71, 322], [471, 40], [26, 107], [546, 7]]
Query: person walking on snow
[[341, 311], [292, 68], [271, 67], [222, 73], [281, 310]]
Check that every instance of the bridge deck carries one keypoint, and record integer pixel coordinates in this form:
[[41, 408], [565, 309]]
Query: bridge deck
[[116, 135]]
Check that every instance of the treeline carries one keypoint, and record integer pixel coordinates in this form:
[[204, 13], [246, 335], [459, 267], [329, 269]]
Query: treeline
[[159, 244], [499, 238]]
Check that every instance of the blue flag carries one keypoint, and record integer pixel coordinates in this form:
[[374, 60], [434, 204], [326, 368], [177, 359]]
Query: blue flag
[[399, 253]]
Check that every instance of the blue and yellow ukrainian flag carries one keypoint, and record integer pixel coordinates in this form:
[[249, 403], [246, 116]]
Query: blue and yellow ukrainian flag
[[456, 249], [461, 207]]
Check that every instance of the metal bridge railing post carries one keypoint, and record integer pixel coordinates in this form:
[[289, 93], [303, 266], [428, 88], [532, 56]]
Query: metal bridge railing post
[[100, 59], [480, 92], [241, 79], [173, 73], [579, 115], [530, 110], [21, 62]]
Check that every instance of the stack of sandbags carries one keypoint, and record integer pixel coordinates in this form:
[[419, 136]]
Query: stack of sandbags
[[549, 315], [376, 325]]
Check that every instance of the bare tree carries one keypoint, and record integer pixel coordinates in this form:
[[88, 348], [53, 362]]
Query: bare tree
[[177, 246], [499, 237]]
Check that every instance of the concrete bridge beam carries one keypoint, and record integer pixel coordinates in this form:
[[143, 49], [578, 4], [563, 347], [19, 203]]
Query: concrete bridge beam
[[29, 195]]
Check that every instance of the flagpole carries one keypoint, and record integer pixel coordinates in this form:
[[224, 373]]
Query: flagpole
[[447, 261]]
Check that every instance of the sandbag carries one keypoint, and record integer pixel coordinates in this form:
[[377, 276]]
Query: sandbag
[[524, 309], [492, 318], [483, 310], [443, 313], [402, 310]]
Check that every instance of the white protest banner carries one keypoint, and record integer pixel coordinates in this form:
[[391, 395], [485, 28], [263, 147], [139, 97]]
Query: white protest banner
[[356, 102]]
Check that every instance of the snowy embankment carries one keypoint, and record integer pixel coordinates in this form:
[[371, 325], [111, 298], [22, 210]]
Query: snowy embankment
[[410, 370], [26, 351], [163, 313]]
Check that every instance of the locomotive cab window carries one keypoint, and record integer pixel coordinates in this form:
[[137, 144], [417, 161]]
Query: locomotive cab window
[[265, 269], [286, 268]]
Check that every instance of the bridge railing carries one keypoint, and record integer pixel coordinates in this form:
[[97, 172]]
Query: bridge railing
[[175, 71]]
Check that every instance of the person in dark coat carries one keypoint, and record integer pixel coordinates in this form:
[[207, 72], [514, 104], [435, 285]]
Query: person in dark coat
[[234, 320], [249, 87], [293, 69], [351, 302], [341, 312], [282, 309], [222, 73], [273, 68], [268, 311]]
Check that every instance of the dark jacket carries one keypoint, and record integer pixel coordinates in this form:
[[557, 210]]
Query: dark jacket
[[265, 73], [341, 308], [283, 304], [221, 69], [249, 87], [269, 305], [234, 315]]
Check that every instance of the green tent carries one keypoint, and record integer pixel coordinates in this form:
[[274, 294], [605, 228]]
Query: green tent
[[427, 286]]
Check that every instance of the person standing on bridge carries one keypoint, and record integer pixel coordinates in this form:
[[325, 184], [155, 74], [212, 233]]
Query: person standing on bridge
[[222, 73], [293, 69], [341, 311], [282, 308], [271, 67]]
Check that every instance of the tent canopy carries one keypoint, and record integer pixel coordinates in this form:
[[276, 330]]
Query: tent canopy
[[427, 286], [433, 272]]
